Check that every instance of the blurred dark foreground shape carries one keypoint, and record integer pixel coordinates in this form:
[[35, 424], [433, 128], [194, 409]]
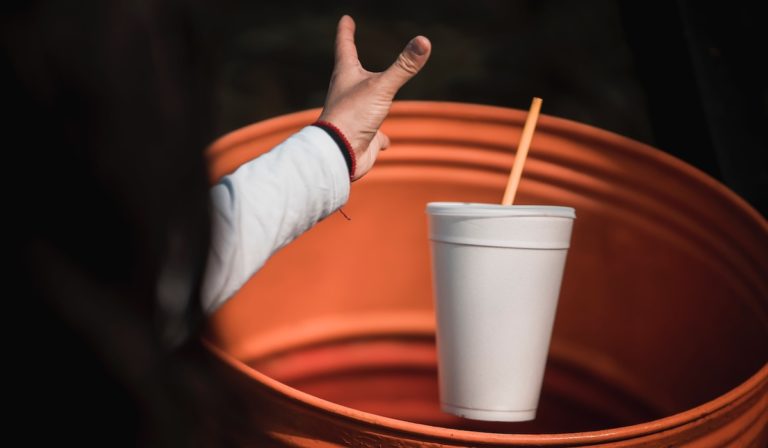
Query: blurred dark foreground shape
[[108, 112]]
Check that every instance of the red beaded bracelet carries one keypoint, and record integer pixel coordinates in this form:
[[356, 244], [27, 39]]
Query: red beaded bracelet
[[342, 142]]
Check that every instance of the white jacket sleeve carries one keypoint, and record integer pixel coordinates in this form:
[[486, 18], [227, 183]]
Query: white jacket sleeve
[[266, 203]]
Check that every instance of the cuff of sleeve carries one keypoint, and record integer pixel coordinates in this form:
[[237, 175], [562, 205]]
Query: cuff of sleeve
[[334, 160], [342, 142]]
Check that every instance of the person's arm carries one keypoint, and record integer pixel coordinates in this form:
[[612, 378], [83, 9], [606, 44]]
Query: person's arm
[[268, 202], [271, 200]]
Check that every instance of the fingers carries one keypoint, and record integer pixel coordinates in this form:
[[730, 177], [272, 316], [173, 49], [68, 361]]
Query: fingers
[[410, 61], [367, 158], [383, 140], [346, 52]]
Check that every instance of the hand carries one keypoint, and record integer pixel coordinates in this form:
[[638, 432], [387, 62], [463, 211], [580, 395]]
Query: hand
[[359, 100]]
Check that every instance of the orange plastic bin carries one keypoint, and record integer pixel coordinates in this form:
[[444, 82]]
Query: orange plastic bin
[[661, 336]]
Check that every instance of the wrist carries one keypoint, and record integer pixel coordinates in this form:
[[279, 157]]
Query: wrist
[[343, 143]]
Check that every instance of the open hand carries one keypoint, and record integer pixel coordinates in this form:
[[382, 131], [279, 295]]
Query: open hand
[[359, 100]]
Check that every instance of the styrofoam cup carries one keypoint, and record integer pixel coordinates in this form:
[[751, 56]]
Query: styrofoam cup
[[496, 273]]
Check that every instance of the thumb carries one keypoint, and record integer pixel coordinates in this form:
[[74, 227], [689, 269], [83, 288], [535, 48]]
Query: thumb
[[410, 61]]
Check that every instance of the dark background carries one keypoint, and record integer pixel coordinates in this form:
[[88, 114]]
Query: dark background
[[686, 77], [108, 109]]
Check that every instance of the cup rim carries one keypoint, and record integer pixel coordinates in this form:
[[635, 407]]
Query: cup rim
[[476, 209]]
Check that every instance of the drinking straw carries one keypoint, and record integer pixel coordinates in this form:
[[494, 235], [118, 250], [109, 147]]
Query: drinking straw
[[522, 152]]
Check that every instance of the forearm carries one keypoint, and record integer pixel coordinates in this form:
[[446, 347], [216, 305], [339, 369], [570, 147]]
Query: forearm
[[268, 202]]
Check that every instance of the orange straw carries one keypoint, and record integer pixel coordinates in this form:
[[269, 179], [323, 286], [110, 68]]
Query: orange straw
[[522, 152]]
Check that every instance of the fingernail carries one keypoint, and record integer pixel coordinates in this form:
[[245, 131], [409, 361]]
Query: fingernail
[[415, 48]]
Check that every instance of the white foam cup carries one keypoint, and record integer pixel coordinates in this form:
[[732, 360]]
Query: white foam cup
[[496, 273]]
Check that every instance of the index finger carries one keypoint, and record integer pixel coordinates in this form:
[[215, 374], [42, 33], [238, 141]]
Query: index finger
[[346, 51]]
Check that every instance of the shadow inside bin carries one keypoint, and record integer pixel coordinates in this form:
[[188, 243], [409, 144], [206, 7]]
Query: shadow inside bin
[[395, 376]]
